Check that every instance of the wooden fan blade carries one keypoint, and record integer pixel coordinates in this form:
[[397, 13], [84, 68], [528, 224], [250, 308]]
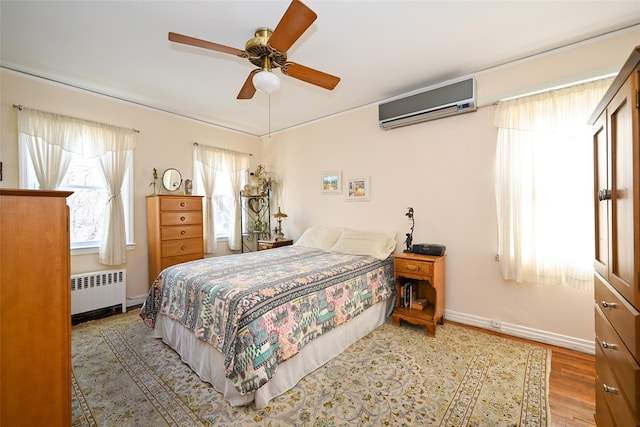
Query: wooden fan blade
[[295, 21], [248, 90], [310, 75], [180, 38]]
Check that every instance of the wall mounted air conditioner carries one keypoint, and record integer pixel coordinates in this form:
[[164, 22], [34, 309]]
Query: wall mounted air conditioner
[[436, 103]]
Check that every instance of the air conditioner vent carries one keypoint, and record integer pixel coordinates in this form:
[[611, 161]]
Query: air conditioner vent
[[443, 101]]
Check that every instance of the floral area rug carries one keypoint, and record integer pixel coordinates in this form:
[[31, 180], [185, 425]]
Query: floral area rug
[[395, 376]]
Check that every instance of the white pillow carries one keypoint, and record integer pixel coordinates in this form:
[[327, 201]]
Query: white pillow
[[319, 237], [354, 242]]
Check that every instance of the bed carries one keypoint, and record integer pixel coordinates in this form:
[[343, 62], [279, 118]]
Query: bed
[[254, 324]]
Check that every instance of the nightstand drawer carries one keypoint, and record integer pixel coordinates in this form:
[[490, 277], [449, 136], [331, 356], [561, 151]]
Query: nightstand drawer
[[413, 268]]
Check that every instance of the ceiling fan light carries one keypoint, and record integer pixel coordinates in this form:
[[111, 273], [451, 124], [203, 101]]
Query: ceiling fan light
[[266, 81]]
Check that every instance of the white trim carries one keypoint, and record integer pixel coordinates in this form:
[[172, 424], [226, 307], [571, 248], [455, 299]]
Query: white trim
[[132, 302], [584, 346], [93, 249]]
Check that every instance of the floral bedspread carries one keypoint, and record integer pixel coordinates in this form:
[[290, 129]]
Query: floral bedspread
[[261, 308]]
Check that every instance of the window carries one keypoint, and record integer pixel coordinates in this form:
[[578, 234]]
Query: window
[[88, 201], [218, 176], [223, 205], [544, 186], [93, 160]]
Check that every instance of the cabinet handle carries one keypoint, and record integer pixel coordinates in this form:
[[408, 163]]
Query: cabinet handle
[[609, 304], [183, 248], [604, 194], [182, 218], [412, 267], [609, 345], [183, 232], [183, 204], [609, 389]]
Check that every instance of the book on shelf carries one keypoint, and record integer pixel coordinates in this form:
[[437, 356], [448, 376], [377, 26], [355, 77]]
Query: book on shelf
[[408, 294]]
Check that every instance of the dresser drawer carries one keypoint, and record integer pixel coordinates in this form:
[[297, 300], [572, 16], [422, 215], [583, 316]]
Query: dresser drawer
[[623, 366], [624, 318], [413, 268], [181, 204], [179, 218], [181, 247], [180, 232], [616, 401], [173, 260]]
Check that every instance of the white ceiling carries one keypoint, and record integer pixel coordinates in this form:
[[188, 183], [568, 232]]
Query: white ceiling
[[380, 49]]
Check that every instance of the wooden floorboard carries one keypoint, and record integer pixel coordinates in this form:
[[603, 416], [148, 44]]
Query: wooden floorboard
[[572, 392]]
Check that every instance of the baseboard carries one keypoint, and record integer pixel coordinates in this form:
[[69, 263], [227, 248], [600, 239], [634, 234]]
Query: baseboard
[[584, 346], [132, 302]]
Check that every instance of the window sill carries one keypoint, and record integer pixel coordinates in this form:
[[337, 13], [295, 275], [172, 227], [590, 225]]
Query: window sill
[[86, 250]]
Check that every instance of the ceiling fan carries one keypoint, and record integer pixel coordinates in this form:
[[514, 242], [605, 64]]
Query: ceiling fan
[[268, 50]]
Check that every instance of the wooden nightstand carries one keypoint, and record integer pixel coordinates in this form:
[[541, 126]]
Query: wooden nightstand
[[270, 244], [426, 273]]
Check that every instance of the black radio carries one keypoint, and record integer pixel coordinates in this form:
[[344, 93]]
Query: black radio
[[428, 249]]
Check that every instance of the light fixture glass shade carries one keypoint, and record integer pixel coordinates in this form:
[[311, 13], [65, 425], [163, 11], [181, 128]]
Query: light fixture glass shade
[[266, 81]]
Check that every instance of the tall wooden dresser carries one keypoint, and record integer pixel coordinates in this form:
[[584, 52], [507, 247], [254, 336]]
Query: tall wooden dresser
[[174, 231], [616, 142], [35, 309]]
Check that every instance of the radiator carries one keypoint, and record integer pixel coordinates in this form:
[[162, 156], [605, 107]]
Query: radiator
[[98, 289]]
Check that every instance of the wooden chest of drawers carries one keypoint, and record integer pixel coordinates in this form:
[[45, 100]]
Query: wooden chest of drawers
[[174, 231], [616, 144]]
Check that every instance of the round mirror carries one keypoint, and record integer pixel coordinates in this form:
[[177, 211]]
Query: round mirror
[[171, 179]]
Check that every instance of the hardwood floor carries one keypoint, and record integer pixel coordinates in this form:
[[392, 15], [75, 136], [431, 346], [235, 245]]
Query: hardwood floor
[[572, 393]]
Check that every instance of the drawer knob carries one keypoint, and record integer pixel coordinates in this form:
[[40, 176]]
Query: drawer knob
[[182, 218], [609, 345], [609, 389], [182, 204], [183, 248], [609, 304], [183, 232], [412, 267]]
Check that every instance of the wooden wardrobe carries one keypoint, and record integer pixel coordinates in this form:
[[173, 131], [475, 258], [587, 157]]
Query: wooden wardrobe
[[174, 231], [616, 142], [35, 309]]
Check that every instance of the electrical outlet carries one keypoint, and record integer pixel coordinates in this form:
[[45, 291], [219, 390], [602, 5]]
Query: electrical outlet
[[496, 324]]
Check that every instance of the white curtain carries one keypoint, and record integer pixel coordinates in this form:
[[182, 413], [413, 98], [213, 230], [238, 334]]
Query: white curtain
[[208, 162], [544, 186], [51, 138], [238, 166]]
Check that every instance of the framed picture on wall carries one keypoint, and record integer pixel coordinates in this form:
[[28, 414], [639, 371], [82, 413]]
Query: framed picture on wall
[[358, 189], [331, 183]]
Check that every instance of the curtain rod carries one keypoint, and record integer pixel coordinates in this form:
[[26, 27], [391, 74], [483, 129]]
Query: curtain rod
[[20, 108], [195, 144]]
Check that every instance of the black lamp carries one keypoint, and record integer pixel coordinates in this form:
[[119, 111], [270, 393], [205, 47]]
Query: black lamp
[[409, 239]]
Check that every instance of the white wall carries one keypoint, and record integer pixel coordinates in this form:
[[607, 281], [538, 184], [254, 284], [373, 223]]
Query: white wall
[[443, 169]]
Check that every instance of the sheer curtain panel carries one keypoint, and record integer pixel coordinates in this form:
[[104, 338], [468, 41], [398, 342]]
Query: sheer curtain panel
[[544, 186], [208, 162], [51, 138]]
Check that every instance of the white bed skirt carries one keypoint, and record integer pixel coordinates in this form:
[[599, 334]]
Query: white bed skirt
[[207, 361]]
